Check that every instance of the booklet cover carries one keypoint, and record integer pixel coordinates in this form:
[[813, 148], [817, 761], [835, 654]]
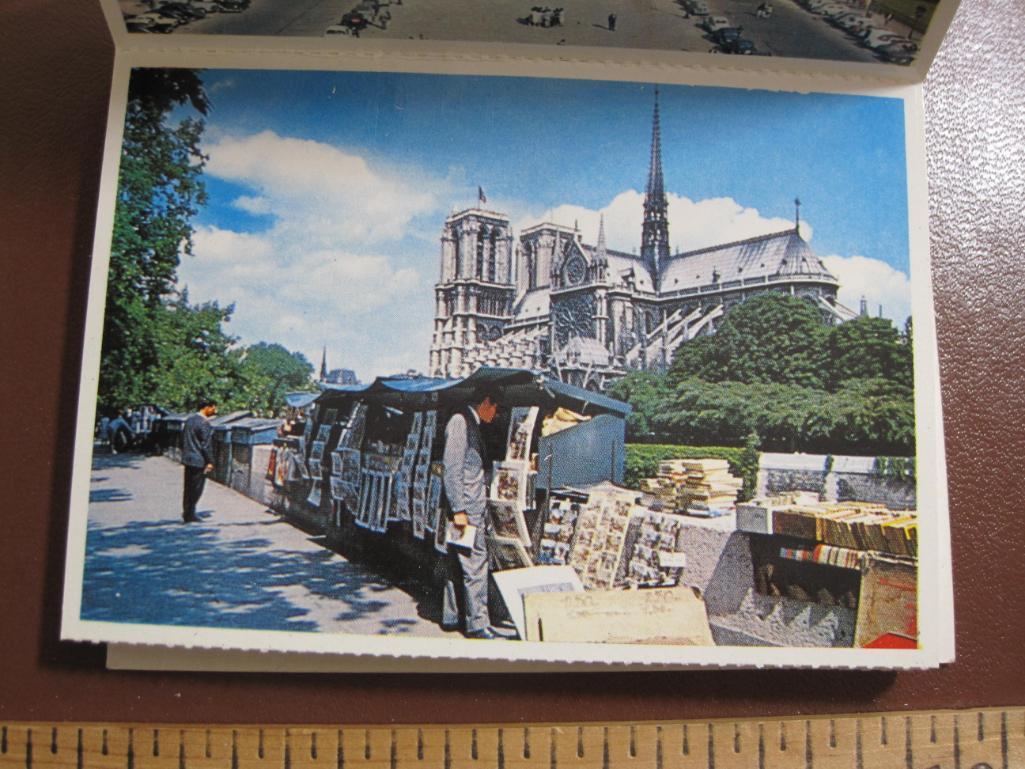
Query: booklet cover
[[722, 275]]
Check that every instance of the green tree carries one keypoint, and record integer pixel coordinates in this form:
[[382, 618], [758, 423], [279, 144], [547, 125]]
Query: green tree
[[194, 357], [646, 392], [770, 338], [160, 189], [868, 348], [269, 371]]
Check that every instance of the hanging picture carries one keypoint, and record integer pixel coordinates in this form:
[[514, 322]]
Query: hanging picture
[[521, 430], [509, 483], [507, 521], [313, 500], [507, 553]]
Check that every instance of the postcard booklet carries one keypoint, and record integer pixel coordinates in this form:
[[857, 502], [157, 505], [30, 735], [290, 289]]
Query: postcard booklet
[[642, 289]]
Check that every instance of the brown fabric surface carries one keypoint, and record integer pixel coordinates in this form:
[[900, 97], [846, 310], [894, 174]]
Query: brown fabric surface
[[57, 60]]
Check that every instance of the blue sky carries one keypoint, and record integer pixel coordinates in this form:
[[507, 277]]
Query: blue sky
[[328, 190]]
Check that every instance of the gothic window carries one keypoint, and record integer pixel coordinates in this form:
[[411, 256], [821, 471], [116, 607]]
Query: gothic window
[[480, 253], [493, 256], [575, 271], [456, 242], [531, 267]]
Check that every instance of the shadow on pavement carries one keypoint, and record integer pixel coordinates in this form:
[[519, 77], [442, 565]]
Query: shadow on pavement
[[172, 574]]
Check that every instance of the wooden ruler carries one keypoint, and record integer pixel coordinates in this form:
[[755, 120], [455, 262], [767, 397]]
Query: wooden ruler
[[965, 739]]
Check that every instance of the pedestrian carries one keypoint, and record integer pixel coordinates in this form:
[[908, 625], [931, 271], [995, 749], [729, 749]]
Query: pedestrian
[[612, 22], [384, 18], [103, 432], [466, 491], [197, 456], [560, 17], [121, 434]]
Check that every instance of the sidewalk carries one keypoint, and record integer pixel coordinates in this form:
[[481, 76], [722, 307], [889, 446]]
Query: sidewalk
[[240, 567]]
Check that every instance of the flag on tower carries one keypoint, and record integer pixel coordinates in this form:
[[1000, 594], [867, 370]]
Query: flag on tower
[[481, 197]]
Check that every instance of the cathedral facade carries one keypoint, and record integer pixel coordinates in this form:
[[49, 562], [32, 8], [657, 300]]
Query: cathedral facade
[[588, 314]]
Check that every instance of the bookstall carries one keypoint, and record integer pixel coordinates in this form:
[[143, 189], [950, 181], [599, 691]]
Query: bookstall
[[362, 465], [365, 468]]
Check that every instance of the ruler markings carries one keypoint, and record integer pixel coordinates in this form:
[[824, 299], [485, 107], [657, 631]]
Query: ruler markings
[[957, 742], [972, 739], [909, 759], [1004, 750]]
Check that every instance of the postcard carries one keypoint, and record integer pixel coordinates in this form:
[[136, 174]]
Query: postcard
[[727, 264], [507, 520], [820, 35]]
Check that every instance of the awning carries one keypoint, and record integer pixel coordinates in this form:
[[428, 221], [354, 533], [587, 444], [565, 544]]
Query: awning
[[300, 400], [512, 387]]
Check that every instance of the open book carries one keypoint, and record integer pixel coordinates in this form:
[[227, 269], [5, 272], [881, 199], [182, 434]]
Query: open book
[[696, 229]]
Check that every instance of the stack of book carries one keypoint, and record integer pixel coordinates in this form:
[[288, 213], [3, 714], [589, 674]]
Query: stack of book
[[850, 525], [702, 487]]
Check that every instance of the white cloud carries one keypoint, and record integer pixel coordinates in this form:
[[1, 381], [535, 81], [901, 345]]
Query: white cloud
[[338, 265], [344, 300], [876, 281], [322, 196], [252, 205], [692, 224]]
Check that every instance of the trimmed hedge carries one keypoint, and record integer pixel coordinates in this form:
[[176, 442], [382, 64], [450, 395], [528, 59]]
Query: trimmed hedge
[[642, 462]]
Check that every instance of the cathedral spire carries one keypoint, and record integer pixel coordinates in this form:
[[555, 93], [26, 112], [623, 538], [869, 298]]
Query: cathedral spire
[[655, 231], [601, 254], [323, 365]]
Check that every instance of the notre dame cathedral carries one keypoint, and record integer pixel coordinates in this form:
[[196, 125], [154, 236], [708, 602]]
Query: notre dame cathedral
[[589, 314]]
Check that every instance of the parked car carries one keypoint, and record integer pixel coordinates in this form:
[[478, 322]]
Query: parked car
[[354, 21], [844, 18], [729, 40], [181, 11], [854, 22], [712, 23], [898, 53], [151, 22], [738, 46], [877, 37], [696, 7]]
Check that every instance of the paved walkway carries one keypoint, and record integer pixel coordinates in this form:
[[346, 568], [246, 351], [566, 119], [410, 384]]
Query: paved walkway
[[240, 567]]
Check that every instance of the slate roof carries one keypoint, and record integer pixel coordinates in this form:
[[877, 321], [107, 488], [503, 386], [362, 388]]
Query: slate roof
[[533, 303], [779, 254]]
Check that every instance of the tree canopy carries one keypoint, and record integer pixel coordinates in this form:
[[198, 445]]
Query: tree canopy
[[157, 347], [774, 369]]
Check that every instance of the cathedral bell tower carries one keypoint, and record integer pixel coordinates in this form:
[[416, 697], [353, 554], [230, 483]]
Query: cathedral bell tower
[[655, 231], [475, 292]]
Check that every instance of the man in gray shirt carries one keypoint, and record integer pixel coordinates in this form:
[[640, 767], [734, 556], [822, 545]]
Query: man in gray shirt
[[197, 456], [466, 490]]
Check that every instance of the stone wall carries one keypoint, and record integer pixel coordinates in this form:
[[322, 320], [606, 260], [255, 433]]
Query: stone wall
[[846, 479]]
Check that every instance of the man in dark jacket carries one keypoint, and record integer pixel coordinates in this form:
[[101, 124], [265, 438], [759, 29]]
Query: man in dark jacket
[[197, 456], [466, 491]]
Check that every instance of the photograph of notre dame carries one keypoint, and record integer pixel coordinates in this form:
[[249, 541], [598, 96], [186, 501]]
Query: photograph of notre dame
[[538, 362], [879, 31]]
